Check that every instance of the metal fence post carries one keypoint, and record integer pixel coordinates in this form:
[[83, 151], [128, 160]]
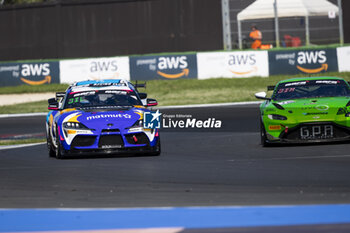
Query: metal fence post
[[307, 31], [239, 25], [226, 25], [277, 32], [341, 29]]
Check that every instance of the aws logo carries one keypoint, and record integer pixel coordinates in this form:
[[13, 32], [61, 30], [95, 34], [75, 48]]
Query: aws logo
[[312, 57], [98, 66], [243, 60], [103, 69], [35, 70], [165, 64]]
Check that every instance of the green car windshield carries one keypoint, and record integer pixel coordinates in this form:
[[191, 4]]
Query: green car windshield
[[311, 89]]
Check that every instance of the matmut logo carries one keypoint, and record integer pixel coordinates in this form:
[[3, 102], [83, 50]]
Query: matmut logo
[[41, 70], [306, 58], [167, 66]]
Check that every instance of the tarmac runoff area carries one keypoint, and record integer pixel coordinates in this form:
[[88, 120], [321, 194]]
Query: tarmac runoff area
[[266, 190], [10, 99]]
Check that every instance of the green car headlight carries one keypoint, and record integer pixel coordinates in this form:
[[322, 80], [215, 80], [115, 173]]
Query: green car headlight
[[341, 111], [276, 117]]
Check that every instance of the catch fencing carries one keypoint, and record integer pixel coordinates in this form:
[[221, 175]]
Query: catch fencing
[[85, 28]]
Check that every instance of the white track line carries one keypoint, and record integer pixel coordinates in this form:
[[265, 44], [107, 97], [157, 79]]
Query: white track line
[[23, 114], [20, 146]]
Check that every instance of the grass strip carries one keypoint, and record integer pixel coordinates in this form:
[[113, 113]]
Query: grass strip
[[220, 90], [175, 92], [21, 141], [39, 106], [33, 89]]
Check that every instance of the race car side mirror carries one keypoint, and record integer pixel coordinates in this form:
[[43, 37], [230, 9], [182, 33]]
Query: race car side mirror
[[271, 88], [143, 95], [151, 102], [53, 104], [60, 95], [262, 96]]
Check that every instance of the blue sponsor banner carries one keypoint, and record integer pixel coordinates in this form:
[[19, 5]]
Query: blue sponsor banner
[[31, 73], [303, 61], [163, 67]]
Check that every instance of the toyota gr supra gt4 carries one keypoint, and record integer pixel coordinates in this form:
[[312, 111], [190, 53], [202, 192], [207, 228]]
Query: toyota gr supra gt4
[[314, 109], [103, 116]]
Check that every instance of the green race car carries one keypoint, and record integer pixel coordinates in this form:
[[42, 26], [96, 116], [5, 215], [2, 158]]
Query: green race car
[[314, 109]]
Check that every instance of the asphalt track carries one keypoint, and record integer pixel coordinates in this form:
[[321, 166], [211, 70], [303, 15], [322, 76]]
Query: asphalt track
[[196, 168]]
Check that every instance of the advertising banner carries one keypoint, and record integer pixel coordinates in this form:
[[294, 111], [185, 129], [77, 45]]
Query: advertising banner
[[343, 55], [163, 67], [303, 61], [31, 73], [94, 69], [232, 64]]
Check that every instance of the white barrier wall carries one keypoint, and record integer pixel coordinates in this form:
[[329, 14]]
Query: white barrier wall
[[343, 54], [94, 69], [232, 64]]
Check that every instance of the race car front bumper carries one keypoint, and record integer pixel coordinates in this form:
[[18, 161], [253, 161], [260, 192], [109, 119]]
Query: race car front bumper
[[112, 143], [312, 132]]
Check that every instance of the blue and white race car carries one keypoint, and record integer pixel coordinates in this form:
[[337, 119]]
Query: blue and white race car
[[103, 116]]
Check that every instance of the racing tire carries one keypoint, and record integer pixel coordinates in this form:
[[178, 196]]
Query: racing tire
[[157, 149], [60, 152], [51, 150], [263, 138], [49, 145]]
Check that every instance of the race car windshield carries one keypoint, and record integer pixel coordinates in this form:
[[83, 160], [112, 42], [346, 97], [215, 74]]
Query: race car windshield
[[105, 98], [311, 89]]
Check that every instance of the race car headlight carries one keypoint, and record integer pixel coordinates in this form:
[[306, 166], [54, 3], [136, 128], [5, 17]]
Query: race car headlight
[[344, 111], [137, 126], [138, 123], [341, 111], [276, 117], [74, 125]]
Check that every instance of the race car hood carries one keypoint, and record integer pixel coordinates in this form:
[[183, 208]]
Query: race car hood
[[304, 110], [97, 119]]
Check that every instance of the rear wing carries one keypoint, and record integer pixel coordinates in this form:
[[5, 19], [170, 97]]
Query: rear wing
[[139, 85], [271, 88]]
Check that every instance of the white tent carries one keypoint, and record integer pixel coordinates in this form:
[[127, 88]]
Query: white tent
[[264, 9]]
